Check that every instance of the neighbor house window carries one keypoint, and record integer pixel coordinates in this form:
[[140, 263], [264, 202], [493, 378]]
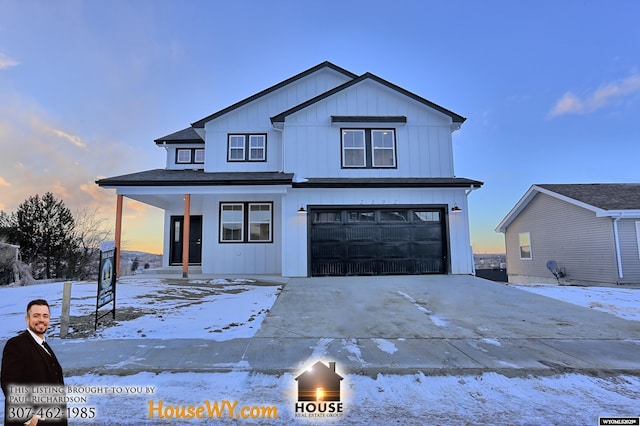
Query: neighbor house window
[[524, 241], [247, 147], [368, 148], [246, 222], [638, 237], [190, 156]]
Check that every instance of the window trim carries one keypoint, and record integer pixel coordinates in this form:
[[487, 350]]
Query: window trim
[[247, 147], [245, 224], [520, 245], [369, 149], [192, 155], [638, 237]]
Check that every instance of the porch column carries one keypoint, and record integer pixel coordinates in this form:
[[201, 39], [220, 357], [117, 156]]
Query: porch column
[[118, 235], [185, 235]]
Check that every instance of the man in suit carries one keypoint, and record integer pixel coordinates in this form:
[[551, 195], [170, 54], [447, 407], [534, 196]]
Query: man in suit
[[32, 371]]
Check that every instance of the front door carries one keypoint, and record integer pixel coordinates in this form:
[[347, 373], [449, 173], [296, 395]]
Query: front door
[[195, 240]]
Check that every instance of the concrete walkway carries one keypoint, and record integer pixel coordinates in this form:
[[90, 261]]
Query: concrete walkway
[[398, 324]]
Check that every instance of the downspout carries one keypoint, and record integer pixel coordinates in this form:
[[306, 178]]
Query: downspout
[[616, 239], [281, 131]]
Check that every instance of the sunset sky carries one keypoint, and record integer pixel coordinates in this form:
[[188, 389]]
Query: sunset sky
[[550, 89]]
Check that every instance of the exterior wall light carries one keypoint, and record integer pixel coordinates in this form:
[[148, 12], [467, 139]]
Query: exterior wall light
[[456, 209], [301, 210]]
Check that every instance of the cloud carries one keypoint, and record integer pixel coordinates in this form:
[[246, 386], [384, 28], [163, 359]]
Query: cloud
[[6, 62], [606, 95], [3, 182], [73, 139]]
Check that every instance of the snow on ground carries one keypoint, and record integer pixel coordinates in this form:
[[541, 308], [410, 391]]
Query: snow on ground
[[621, 302], [238, 309], [215, 309]]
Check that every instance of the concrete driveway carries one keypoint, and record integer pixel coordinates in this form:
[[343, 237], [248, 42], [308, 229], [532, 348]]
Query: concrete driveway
[[400, 324], [438, 324]]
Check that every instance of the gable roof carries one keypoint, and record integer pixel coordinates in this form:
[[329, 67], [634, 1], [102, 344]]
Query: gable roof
[[454, 117], [200, 123], [604, 199], [188, 135], [605, 196]]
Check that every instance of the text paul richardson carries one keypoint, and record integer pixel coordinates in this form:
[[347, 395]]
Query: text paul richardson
[[212, 410]]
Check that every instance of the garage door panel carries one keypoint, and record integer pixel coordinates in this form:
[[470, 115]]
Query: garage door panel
[[361, 233], [329, 251], [378, 241]]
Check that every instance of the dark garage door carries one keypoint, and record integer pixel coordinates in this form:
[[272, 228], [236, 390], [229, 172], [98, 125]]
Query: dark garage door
[[361, 241]]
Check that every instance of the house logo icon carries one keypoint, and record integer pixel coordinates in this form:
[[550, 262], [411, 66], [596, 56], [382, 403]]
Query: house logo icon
[[319, 391]]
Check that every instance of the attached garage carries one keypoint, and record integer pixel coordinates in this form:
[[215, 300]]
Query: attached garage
[[377, 241]]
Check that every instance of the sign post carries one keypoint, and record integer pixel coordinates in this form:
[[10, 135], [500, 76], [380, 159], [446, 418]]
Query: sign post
[[106, 279]]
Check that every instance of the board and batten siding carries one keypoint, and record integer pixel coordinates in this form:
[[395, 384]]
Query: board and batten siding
[[628, 230], [254, 117], [580, 242], [423, 145]]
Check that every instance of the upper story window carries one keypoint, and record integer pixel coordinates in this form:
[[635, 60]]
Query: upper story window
[[247, 147], [368, 148], [190, 156]]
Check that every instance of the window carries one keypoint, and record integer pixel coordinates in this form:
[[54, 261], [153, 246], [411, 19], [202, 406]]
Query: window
[[247, 147], [428, 216], [368, 148], [638, 236], [246, 222], [524, 241], [190, 156], [327, 217]]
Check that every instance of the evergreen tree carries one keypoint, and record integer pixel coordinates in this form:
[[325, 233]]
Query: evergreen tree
[[45, 234]]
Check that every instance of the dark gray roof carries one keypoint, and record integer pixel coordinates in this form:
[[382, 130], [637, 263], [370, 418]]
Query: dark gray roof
[[188, 135], [606, 196], [327, 64], [454, 117], [388, 183], [164, 177]]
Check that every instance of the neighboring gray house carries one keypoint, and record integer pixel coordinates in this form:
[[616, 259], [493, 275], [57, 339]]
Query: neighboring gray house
[[592, 232]]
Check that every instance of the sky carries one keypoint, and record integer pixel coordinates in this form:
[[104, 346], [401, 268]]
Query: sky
[[550, 90]]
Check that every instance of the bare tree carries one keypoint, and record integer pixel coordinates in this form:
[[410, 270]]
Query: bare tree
[[90, 231]]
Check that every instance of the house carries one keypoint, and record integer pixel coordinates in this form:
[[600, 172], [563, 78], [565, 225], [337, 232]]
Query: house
[[325, 173], [319, 383], [574, 234]]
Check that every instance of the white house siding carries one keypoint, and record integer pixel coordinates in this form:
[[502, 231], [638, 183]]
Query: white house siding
[[240, 258], [295, 240], [254, 117], [423, 144], [629, 250], [579, 241]]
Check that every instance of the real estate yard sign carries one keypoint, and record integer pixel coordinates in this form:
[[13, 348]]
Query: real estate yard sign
[[106, 279]]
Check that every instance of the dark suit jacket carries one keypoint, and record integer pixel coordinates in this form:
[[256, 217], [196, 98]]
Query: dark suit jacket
[[25, 362]]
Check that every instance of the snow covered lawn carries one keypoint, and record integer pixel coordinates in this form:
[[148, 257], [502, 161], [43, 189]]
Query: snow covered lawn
[[153, 308], [619, 301]]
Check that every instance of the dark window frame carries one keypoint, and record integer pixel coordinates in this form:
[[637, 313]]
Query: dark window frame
[[192, 155], [246, 224], [246, 149], [368, 148]]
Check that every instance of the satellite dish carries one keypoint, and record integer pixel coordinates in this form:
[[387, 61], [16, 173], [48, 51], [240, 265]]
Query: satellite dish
[[552, 266]]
